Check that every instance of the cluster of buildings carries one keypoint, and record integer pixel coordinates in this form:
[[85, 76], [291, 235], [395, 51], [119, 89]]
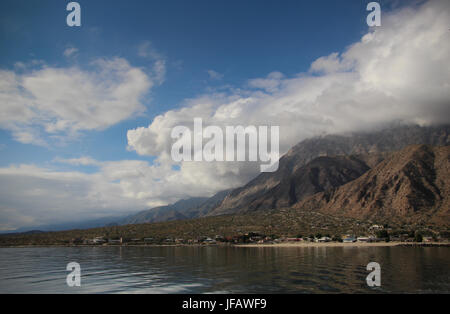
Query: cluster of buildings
[[376, 233], [110, 241], [325, 239]]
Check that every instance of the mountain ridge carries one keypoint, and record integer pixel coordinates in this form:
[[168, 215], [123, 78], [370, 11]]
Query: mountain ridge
[[370, 146], [412, 185]]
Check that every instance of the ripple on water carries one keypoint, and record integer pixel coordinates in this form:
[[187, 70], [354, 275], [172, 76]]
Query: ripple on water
[[218, 270]]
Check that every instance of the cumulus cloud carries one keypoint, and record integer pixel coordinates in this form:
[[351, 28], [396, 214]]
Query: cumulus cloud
[[64, 101], [399, 71], [33, 196], [330, 64]]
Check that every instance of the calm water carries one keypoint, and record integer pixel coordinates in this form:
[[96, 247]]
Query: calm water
[[224, 270]]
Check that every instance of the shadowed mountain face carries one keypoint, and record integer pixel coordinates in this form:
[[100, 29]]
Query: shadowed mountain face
[[410, 186], [264, 191], [321, 174]]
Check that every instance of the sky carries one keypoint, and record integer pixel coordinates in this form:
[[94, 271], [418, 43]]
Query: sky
[[86, 112]]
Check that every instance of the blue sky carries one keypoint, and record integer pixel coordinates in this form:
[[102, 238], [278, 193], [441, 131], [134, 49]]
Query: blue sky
[[86, 112], [238, 39]]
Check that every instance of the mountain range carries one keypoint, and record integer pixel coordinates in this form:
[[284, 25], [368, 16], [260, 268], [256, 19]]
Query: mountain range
[[398, 173], [331, 165], [410, 186], [370, 147]]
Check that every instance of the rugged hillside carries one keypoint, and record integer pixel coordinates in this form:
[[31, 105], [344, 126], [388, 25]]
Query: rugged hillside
[[207, 206], [313, 166], [184, 209], [373, 143], [319, 175], [410, 186]]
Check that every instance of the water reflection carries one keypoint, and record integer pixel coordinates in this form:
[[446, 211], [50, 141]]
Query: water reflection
[[224, 269]]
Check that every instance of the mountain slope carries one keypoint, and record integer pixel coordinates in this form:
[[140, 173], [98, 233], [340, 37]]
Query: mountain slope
[[164, 213], [410, 186], [371, 144], [185, 209], [319, 175]]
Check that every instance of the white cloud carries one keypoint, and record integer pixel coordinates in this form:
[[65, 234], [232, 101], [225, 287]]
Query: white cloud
[[33, 196], [64, 101], [147, 50], [70, 51], [159, 70], [50, 196], [10, 219], [82, 161], [270, 84], [399, 71], [213, 75], [329, 64]]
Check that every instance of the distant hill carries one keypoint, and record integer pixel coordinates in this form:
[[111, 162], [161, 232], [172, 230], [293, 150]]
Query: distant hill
[[83, 224], [33, 232], [184, 209], [409, 186]]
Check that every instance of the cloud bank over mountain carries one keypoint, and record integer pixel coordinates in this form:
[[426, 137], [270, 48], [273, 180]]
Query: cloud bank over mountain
[[398, 72]]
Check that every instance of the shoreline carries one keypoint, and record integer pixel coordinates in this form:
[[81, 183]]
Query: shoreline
[[255, 245], [326, 244], [355, 244]]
